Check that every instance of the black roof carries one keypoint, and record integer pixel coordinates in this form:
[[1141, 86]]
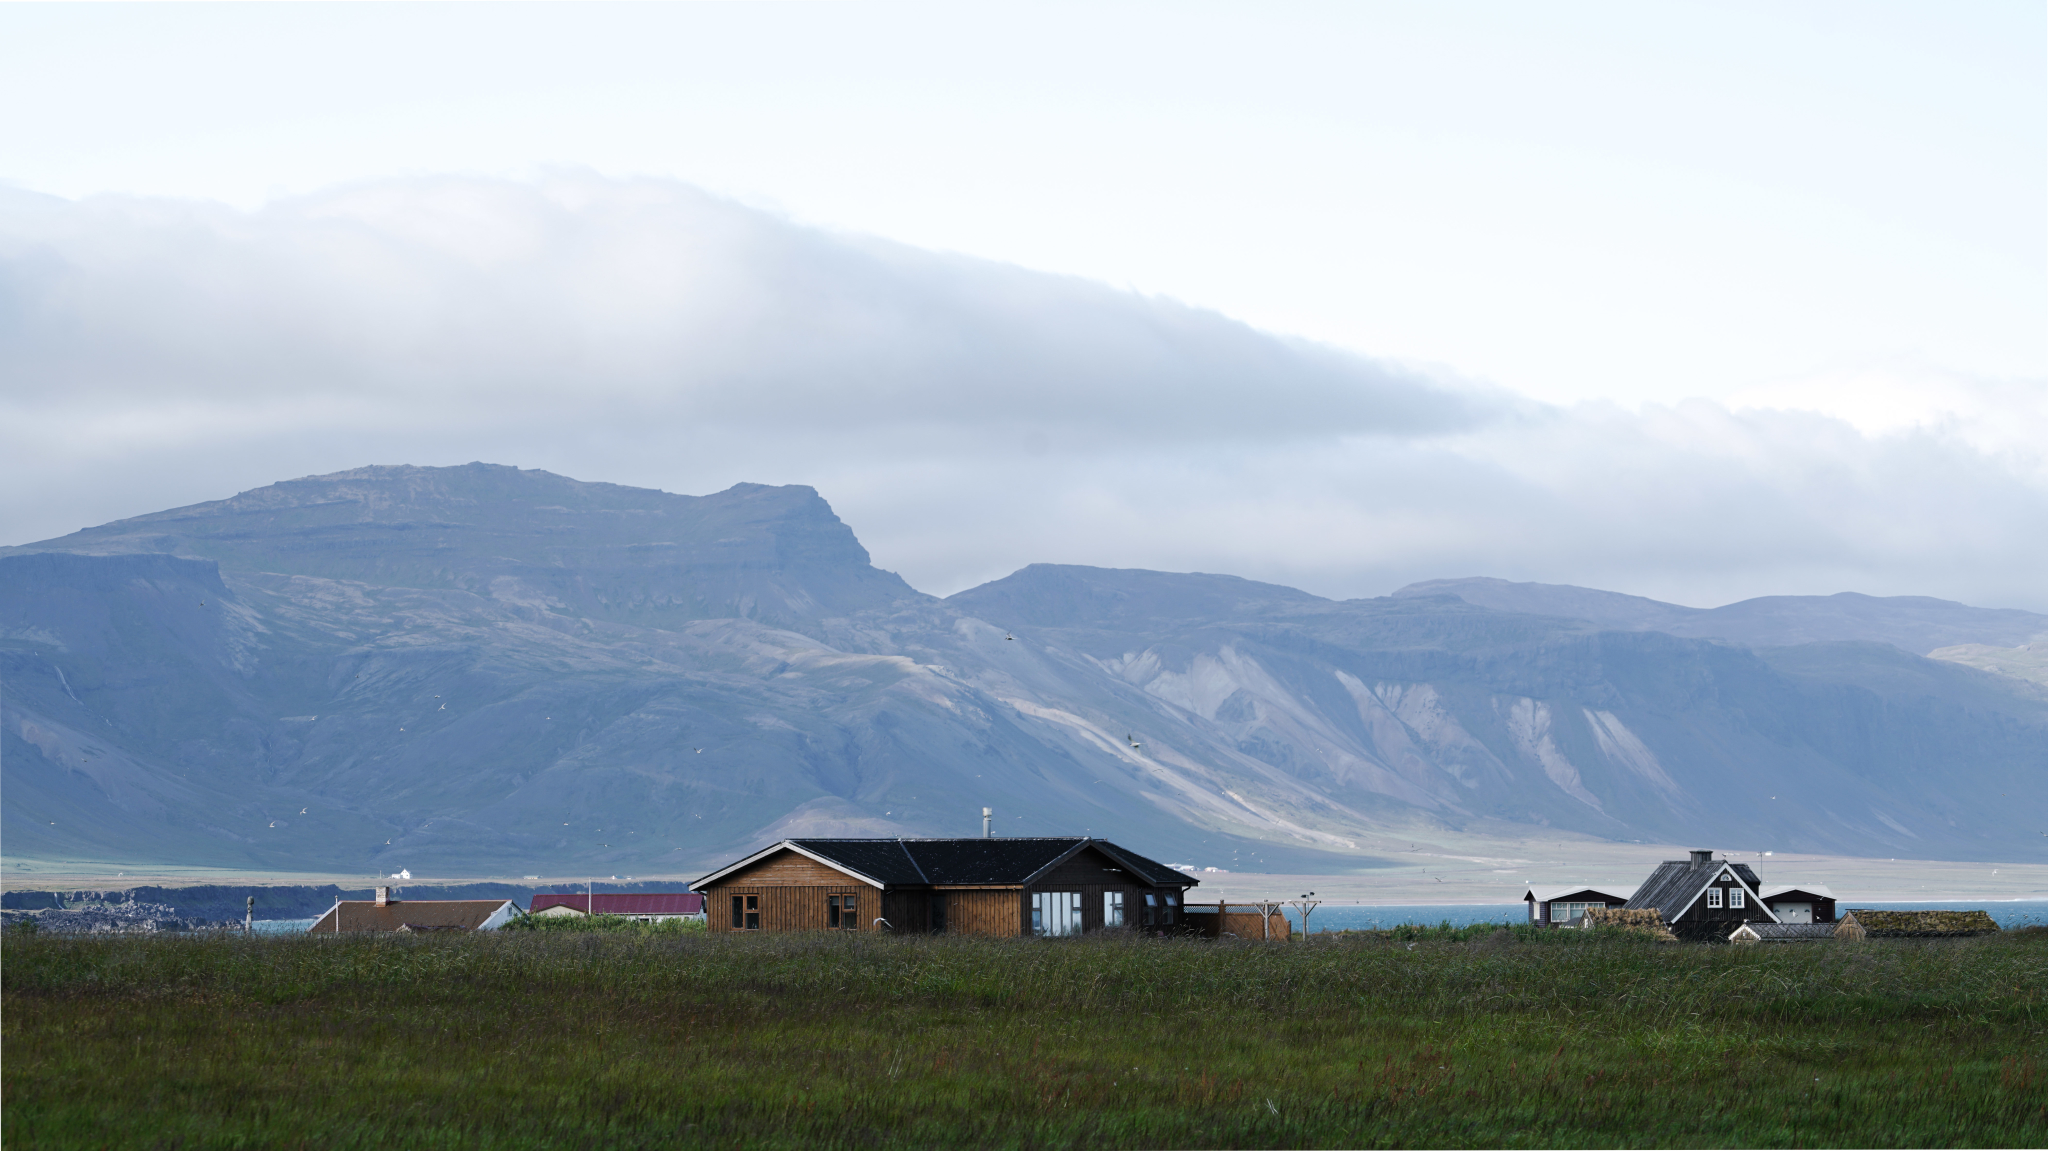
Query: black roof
[[912, 862], [1791, 931], [1671, 888]]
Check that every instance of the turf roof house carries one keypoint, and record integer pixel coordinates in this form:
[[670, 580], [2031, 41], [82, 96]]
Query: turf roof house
[[1025, 886], [1703, 898]]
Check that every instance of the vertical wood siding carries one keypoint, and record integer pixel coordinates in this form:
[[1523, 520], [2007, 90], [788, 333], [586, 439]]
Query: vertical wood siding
[[1001, 912], [792, 908]]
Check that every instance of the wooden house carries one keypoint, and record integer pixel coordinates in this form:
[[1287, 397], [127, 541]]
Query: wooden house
[[1864, 923], [385, 913], [1558, 906], [640, 906], [989, 886], [1703, 898]]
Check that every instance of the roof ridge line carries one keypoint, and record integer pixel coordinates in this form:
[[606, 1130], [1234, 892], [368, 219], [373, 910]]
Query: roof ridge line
[[905, 848]]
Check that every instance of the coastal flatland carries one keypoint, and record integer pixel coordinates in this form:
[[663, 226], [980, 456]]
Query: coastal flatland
[[1478, 1037]]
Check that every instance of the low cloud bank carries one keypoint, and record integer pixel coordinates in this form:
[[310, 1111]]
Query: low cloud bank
[[965, 417]]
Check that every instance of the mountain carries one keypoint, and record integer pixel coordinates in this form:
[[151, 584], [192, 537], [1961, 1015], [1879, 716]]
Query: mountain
[[485, 670], [1915, 623], [595, 551]]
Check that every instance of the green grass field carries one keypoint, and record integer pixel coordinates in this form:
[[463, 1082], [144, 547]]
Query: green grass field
[[631, 1039]]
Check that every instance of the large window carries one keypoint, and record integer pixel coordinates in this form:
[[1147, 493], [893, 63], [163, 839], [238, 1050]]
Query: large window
[[1713, 897], [1562, 912], [1112, 909], [746, 913], [1151, 908], [842, 912], [1055, 913]]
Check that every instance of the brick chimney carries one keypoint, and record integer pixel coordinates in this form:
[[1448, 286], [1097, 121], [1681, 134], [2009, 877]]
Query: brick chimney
[[1697, 857], [384, 893]]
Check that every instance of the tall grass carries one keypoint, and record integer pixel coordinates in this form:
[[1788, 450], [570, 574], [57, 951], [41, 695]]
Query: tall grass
[[1489, 1038]]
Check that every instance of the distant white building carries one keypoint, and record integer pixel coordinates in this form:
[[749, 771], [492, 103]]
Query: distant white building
[[1557, 906]]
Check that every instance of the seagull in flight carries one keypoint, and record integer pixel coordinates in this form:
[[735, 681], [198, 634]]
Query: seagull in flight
[[1007, 635], [302, 811]]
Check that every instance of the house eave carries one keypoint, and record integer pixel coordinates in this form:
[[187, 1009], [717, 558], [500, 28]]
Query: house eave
[[787, 845]]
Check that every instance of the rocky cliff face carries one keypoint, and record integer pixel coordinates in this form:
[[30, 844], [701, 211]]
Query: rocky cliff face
[[486, 670]]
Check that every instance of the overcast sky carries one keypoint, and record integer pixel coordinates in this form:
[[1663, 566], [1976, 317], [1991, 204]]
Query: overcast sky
[[1699, 302]]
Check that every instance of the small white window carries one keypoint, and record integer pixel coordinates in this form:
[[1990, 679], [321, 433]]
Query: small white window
[[1112, 909], [1713, 897], [1735, 897]]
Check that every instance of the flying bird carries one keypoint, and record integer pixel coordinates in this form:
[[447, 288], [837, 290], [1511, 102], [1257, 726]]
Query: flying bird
[[302, 811], [1007, 635]]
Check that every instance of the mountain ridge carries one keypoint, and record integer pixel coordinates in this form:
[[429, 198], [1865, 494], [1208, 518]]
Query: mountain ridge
[[349, 675], [1918, 624]]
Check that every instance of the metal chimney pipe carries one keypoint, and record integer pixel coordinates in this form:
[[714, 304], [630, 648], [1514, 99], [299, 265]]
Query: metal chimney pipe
[[988, 818]]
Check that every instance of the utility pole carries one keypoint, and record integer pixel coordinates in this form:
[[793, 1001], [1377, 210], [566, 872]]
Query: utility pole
[[249, 917], [1268, 908], [1305, 904]]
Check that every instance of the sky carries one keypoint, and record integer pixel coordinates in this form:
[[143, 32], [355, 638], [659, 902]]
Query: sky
[[1693, 301]]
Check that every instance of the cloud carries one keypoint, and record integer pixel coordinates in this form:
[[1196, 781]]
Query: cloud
[[965, 417]]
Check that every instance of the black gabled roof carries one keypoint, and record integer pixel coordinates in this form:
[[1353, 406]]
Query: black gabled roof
[[1790, 931], [914, 862], [1150, 870], [1672, 887], [880, 859]]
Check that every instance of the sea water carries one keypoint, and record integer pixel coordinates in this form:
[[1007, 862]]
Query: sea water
[[2008, 913]]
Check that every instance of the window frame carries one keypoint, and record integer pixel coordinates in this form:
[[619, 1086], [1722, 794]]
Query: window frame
[[1112, 909], [1714, 898], [1735, 899], [1063, 909]]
